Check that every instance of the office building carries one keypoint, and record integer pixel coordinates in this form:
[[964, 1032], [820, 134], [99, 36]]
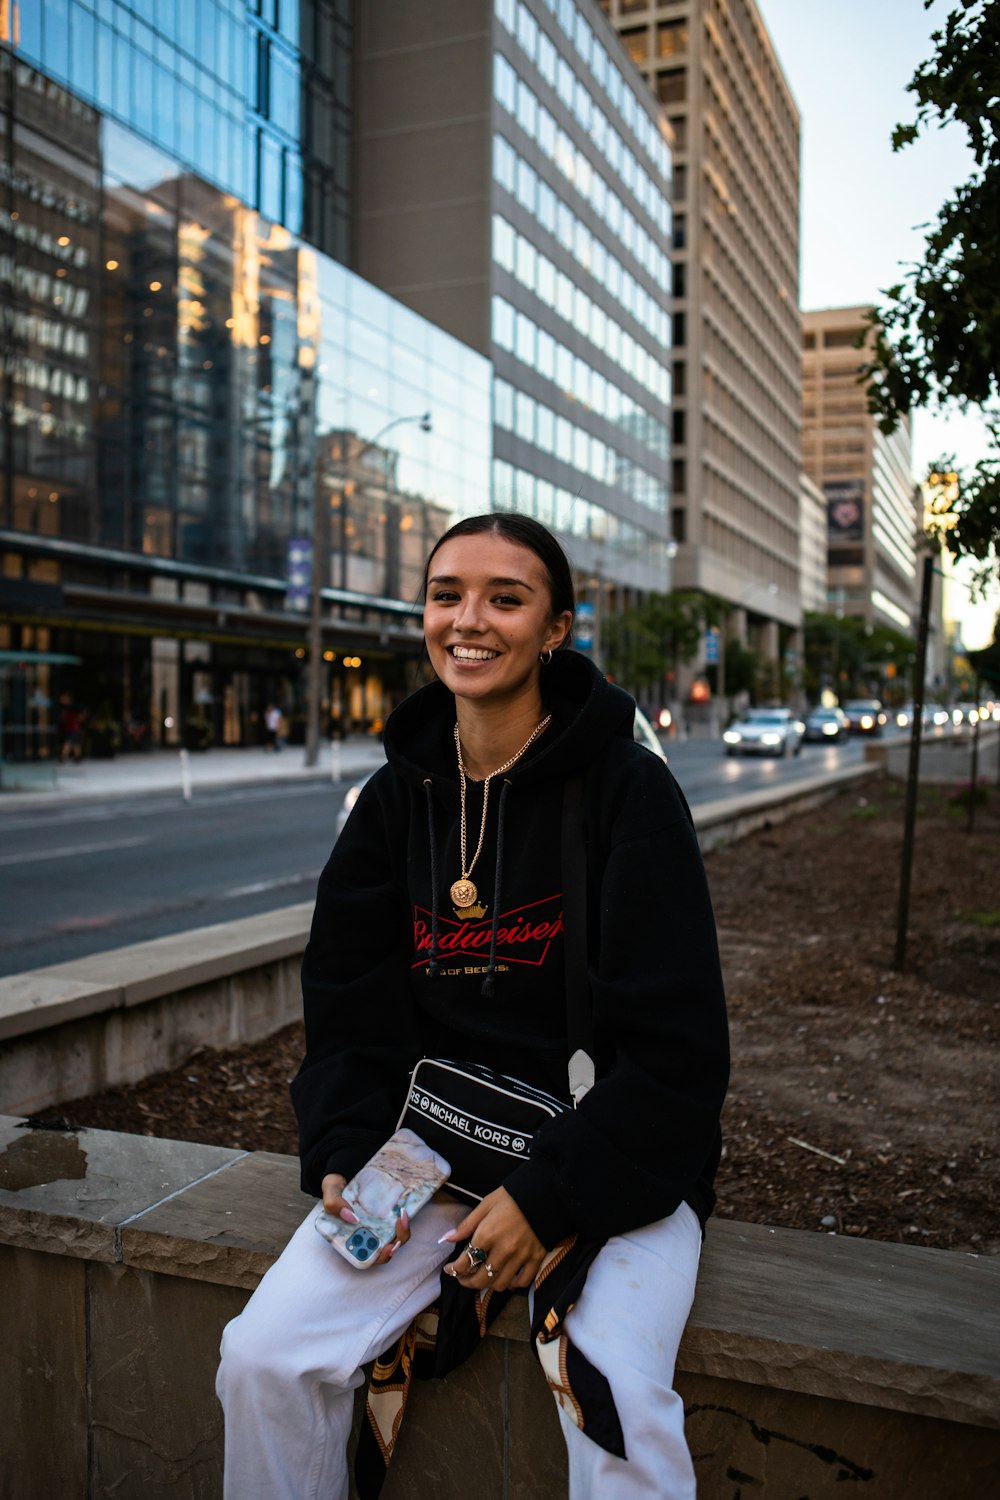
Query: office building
[[872, 513], [513, 186], [186, 384], [812, 547], [736, 377]]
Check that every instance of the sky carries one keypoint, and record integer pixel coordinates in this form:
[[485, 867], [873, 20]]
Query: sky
[[848, 65]]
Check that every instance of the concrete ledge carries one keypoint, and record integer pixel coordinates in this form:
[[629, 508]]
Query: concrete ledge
[[123, 977], [808, 1359], [114, 1018], [733, 818]]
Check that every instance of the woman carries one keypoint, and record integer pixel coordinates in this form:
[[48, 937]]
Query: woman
[[391, 974]]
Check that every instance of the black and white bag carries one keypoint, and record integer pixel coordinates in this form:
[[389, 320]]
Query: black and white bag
[[483, 1122]]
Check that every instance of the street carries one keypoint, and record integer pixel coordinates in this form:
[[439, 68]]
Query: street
[[78, 879]]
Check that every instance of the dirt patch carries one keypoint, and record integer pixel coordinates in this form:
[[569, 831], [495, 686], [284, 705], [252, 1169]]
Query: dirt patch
[[862, 1100]]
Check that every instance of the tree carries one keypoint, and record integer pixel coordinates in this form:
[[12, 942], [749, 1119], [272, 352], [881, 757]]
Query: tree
[[937, 333], [844, 654], [658, 636]]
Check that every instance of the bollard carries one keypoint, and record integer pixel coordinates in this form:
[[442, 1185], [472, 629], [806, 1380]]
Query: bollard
[[334, 760], [185, 776]]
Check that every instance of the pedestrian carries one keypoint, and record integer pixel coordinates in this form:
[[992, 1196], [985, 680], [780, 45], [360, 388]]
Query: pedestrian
[[70, 729], [272, 724], [439, 932]]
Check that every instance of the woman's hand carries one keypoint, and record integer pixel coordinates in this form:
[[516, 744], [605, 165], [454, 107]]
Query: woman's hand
[[334, 1203], [514, 1252]]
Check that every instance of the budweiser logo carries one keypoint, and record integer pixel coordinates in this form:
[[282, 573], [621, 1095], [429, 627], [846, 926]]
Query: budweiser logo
[[523, 934]]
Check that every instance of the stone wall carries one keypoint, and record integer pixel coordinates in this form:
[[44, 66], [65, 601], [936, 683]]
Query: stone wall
[[812, 1364]]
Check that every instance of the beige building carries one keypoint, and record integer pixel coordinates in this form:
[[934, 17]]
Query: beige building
[[736, 373], [812, 546], [873, 513]]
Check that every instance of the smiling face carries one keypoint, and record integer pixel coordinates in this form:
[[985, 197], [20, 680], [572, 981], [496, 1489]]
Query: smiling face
[[488, 616]]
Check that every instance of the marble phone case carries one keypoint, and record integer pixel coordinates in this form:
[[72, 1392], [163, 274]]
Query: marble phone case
[[401, 1176]]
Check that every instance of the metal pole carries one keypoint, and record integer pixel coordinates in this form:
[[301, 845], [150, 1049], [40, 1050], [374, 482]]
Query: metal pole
[[320, 566], [913, 768], [974, 776]]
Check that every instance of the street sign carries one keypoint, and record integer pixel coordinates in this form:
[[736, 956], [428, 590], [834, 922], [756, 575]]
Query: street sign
[[298, 588], [712, 645], [583, 627]]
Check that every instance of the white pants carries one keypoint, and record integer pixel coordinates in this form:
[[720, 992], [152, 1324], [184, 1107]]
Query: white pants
[[292, 1359]]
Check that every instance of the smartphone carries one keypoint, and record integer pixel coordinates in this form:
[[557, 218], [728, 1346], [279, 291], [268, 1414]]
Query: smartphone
[[401, 1176]]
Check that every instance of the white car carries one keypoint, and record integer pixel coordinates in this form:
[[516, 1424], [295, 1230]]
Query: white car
[[765, 731]]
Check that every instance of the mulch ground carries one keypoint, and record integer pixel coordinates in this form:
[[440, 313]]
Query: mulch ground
[[862, 1099]]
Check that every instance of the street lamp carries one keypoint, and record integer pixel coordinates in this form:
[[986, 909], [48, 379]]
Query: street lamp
[[320, 574]]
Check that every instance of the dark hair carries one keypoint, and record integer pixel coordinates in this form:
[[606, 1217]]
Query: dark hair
[[524, 532]]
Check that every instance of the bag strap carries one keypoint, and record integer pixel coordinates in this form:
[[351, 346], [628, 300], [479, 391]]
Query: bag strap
[[579, 1017]]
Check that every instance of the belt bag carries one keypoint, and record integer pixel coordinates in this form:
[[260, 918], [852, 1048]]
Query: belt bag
[[484, 1122], [481, 1122]]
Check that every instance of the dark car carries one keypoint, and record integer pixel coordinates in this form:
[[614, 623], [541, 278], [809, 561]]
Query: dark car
[[827, 725], [865, 716]]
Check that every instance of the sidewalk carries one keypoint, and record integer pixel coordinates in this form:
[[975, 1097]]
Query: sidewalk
[[153, 771]]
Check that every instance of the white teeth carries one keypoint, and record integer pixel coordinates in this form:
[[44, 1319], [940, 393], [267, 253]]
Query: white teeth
[[472, 653]]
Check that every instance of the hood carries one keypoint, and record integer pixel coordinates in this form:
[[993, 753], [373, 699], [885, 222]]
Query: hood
[[587, 711]]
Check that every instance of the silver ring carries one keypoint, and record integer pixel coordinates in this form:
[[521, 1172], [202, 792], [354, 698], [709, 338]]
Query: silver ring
[[477, 1256], [489, 1270]]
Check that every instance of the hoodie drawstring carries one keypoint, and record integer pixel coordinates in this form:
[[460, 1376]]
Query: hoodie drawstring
[[489, 988], [432, 966]]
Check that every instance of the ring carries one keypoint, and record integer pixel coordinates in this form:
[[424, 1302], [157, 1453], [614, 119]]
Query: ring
[[477, 1256], [489, 1270]]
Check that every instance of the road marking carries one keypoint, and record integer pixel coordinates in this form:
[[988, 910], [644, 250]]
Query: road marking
[[71, 851], [271, 885]]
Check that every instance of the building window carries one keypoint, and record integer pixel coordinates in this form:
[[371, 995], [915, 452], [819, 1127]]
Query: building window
[[680, 279], [680, 525], [636, 43], [680, 183], [842, 338], [671, 86], [680, 378], [671, 38], [679, 423], [680, 231], [809, 341], [678, 480], [680, 330]]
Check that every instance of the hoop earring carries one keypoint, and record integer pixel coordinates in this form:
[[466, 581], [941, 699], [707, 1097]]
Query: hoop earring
[[545, 657]]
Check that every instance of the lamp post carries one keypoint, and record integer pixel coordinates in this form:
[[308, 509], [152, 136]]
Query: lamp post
[[320, 574]]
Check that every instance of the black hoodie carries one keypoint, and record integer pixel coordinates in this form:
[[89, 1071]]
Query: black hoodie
[[393, 972]]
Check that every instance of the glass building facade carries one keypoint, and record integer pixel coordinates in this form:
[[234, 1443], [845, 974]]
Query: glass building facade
[[185, 381], [254, 96]]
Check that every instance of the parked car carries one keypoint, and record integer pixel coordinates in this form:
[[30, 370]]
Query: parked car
[[866, 716], [642, 732], [826, 725], [765, 731]]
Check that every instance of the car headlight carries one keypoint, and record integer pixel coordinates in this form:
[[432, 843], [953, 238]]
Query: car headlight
[[902, 720], [956, 716], [799, 727], [770, 739], [867, 722], [829, 728], [732, 737], [350, 797], [974, 717]]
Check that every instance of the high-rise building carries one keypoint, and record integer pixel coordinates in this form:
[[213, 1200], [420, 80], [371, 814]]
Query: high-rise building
[[513, 186], [187, 384], [736, 335], [872, 515], [812, 546]]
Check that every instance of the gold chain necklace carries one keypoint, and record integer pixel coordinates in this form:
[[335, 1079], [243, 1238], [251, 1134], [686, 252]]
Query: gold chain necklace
[[464, 892]]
